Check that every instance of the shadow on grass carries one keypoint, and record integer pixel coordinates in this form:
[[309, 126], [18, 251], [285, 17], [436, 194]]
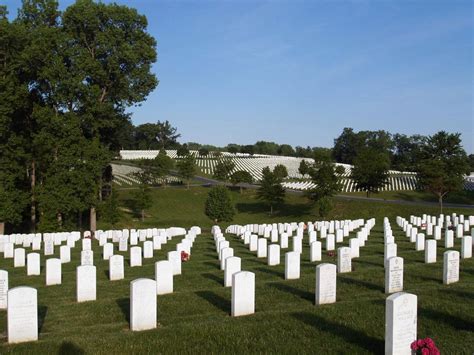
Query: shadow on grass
[[124, 305], [368, 263], [271, 272], [469, 296], [306, 295], [215, 278], [350, 335], [361, 283], [42, 311], [214, 299], [214, 264], [69, 348], [446, 318]]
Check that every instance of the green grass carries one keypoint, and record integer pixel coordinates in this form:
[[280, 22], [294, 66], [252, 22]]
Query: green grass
[[461, 197], [195, 318]]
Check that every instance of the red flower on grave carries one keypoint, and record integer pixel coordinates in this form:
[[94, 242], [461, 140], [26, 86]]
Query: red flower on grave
[[331, 254], [184, 256], [424, 347]]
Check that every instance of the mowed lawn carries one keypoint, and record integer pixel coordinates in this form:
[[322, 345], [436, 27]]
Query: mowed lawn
[[196, 317]]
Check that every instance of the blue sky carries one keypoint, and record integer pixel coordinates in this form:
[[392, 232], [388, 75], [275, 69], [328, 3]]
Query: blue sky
[[298, 72]]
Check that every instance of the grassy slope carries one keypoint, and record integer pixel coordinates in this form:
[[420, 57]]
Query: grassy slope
[[196, 317]]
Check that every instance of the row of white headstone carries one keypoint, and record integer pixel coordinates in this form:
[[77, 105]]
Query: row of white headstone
[[451, 258]]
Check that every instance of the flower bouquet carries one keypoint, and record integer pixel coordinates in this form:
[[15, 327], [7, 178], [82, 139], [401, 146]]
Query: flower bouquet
[[424, 347], [184, 256]]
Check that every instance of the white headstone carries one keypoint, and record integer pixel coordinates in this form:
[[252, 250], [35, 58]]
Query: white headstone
[[148, 249], [298, 244], [273, 255], [175, 258], [344, 261], [315, 251], [48, 247], [116, 268], [87, 257], [65, 254], [253, 242], [243, 293], [86, 283], [108, 251], [19, 257], [53, 272], [354, 245], [33, 264], [400, 323], [330, 242], [449, 239], [284, 241], [135, 256], [164, 277], [390, 250], [292, 265], [22, 315], [142, 304], [3, 289], [325, 284], [430, 251], [466, 247], [86, 244], [226, 253], [262, 248], [450, 267], [420, 242], [394, 275], [232, 266]]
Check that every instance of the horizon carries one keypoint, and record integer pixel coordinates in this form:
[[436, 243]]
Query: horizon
[[299, 72]]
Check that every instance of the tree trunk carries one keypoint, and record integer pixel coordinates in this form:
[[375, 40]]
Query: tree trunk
[[187, 184], [33, 198], [440, 199], [93, 220], [143, 215], [241, 189], [271, 210], [2, 228], [59, 217], [368, 193]]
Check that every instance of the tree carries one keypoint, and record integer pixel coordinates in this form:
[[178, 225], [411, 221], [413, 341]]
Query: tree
[[142, 196], [370, 171], [326, 185], [286, 150], [203, 152], [303, 169], [219, 205], [162, 165], [223, 169], [182, 151], [187, 168], [270, 189], [109, 210], [471, 162], [166, 134], [239, 177], [233, 148], [280, 171], [443, 165], [406, 152], [340, 170]]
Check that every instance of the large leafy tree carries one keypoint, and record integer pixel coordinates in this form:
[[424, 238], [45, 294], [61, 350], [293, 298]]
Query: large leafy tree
[[443, 165], [370, 171], [162, 165], [271, 191], [219, 206]]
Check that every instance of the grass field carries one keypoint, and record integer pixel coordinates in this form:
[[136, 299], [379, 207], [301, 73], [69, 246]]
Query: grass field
[[195, 318]]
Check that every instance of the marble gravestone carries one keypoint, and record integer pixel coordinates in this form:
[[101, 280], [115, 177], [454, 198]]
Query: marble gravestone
[[143, 304], [22, 315], [430, 251], [87, 257], [116, 268], [326, 275], [226, 253], [261, 248], [243, 293], [273, 255], [19, 257], [232, 265], [164, 277], [292, 265], [315, 251], [86, 289], [135, 256], [175, 258], [394, 275], [33, 264], [3, 289], [450, 267], [344, 262], [400, 323], [53, 272]]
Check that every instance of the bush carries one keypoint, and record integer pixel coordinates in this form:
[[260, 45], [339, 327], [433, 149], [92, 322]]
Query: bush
[[219, 205]]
